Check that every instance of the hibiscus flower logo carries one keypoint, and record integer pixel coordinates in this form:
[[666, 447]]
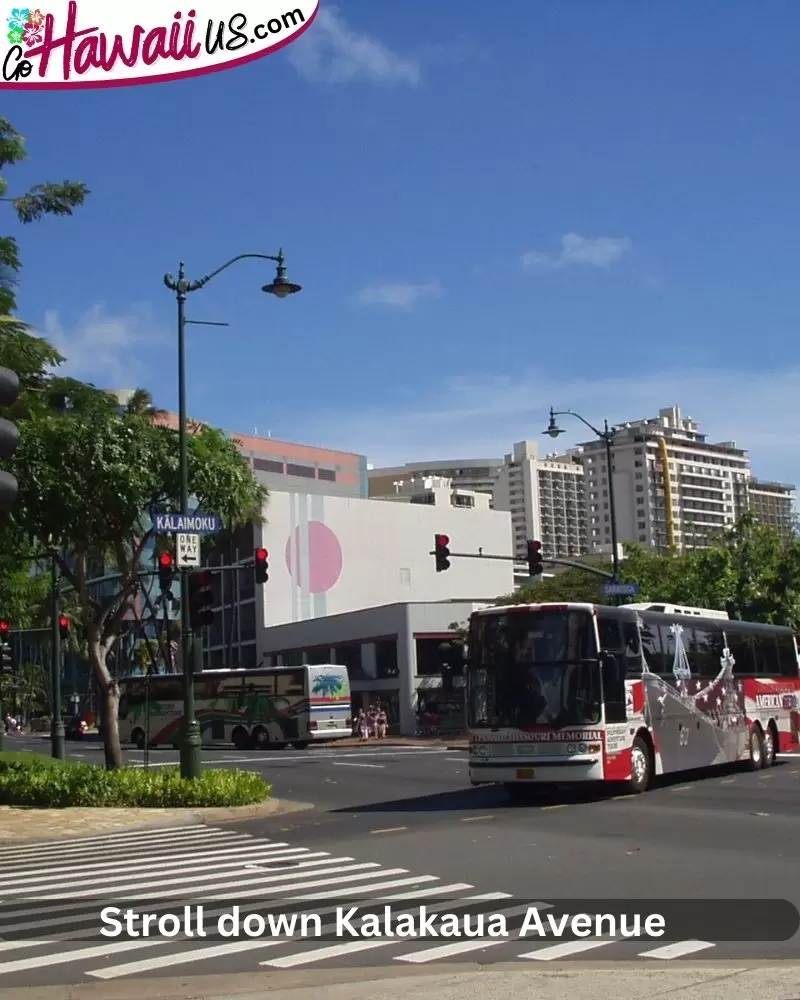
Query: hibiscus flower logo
[[26, 26]]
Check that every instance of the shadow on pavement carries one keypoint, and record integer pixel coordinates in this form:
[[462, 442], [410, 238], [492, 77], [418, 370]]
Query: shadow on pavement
[[534, 796]]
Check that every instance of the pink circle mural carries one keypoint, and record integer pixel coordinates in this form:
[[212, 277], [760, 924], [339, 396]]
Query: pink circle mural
[[324, 558]]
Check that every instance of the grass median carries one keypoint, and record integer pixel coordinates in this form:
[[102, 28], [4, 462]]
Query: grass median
[[35, 781]]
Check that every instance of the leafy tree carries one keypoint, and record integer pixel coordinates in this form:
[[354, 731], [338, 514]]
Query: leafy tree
[[91, 474], [575, 585]]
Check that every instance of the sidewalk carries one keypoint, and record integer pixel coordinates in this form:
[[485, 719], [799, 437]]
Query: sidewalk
[[34, 824], [454, 742], [622, 980]]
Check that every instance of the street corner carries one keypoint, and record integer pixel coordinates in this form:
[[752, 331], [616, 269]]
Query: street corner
[[31, 824]]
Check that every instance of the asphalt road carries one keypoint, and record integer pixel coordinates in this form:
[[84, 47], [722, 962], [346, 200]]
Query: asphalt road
[[403, 820]]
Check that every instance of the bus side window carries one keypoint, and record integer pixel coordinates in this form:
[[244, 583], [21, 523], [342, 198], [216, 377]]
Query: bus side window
[[766, 655], [787, 658], [651, 648], [122, 708], [741, 647]]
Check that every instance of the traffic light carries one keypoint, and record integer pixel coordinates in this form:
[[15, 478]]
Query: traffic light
[[262, 565], [441, 549], [535, 562], [201, 599], [9, 438], [6, 652], [63, 626], [166, 572]]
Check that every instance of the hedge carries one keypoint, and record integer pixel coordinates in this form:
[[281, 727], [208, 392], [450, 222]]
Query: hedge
[[43, 783]]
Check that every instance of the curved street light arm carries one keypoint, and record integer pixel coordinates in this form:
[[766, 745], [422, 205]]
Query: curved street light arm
[[180, 284], [572, 413]]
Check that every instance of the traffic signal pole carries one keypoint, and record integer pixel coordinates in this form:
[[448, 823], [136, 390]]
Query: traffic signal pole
[[515, 559], [57, 742]]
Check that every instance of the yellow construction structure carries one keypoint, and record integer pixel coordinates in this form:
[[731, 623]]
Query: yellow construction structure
[[668, 509]]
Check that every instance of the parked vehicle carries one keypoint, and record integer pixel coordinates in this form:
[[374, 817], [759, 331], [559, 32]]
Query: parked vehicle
[[75, 728]]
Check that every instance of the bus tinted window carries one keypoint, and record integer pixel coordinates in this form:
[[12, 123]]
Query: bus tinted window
[[787, 657], [766, 655], [741, 646], [290, 682], [608, 627], [704, 645], [651, 648]]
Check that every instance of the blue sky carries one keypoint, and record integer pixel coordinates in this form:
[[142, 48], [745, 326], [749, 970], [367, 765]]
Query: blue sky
[[589, 205]]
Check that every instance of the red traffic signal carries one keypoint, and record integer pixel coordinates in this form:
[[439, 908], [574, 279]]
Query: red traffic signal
[[63, 625], [262, 565], [5, 628], [166, 570], [442, 552]]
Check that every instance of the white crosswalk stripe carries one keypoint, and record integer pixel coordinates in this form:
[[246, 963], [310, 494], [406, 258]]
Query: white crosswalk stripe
[[52, 895]]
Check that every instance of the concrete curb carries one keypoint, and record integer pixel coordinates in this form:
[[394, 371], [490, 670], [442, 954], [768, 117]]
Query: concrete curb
[[88, 822], [593, 980]]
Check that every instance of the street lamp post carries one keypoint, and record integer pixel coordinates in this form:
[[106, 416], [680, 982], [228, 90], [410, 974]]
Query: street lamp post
[[607, 436], [280, 287], [57, 743]]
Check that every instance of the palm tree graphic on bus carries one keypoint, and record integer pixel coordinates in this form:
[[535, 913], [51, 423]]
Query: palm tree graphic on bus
[[328, 686]]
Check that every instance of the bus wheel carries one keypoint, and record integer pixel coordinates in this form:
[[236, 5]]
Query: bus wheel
[[137, 738], [756, 761], [261, 739], [770, 744], [240, 738], [641, 766], [300, 746]]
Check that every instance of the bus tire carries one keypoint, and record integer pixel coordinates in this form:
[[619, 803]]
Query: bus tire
[[240, 738], [756, 759], [770, 744], [137, 738], [260, 739], [641, 766]]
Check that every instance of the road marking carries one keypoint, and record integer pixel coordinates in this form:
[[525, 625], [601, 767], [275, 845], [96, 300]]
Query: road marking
[[180, 958], [340, 763], [728, 781], [63, 957], [460, 947], [566, 948], [682, 788], [332, 951], [474, 819], [390, 829], [619, 798], [788, 756], [677, 950], [109, 839], [561, 805], [155, 861]]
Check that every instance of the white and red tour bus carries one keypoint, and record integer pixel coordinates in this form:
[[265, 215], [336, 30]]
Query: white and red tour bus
[[579, 692]]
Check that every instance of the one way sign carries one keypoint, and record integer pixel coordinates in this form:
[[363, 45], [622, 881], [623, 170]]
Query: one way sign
[[187, 551]]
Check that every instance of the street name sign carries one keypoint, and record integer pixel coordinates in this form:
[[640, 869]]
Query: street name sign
[[187, 550], [195, 524], [621, 589]]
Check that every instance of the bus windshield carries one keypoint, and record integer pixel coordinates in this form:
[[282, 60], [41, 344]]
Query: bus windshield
[[533, 668]]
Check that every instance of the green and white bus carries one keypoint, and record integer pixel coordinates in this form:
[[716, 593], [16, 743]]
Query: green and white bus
[[265, 708]]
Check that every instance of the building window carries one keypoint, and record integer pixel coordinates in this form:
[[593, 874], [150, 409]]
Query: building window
[[266, 465], [386, 665], [327, 474], [431, 655], [247, 656], [319, 655], [305, 471], [350, 657], [247, 621]]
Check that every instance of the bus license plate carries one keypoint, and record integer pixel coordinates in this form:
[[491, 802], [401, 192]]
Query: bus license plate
[[524, 773]]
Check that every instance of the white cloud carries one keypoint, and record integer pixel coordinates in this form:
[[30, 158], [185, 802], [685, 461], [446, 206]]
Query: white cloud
[[601, 252], [103, 348], [399, 296], [331, 52], [479, 417]]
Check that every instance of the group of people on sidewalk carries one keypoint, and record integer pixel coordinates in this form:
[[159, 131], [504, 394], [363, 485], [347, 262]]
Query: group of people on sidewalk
[[371, 724]]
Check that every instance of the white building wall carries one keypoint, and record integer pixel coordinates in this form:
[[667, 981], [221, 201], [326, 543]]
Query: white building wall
[[330, 555]]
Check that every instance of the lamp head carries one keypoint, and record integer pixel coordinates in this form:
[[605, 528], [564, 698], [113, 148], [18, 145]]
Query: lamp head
[[280, 286], [553, 430]]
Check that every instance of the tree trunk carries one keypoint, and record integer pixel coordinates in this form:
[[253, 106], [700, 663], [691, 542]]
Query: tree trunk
[[109, 690]]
